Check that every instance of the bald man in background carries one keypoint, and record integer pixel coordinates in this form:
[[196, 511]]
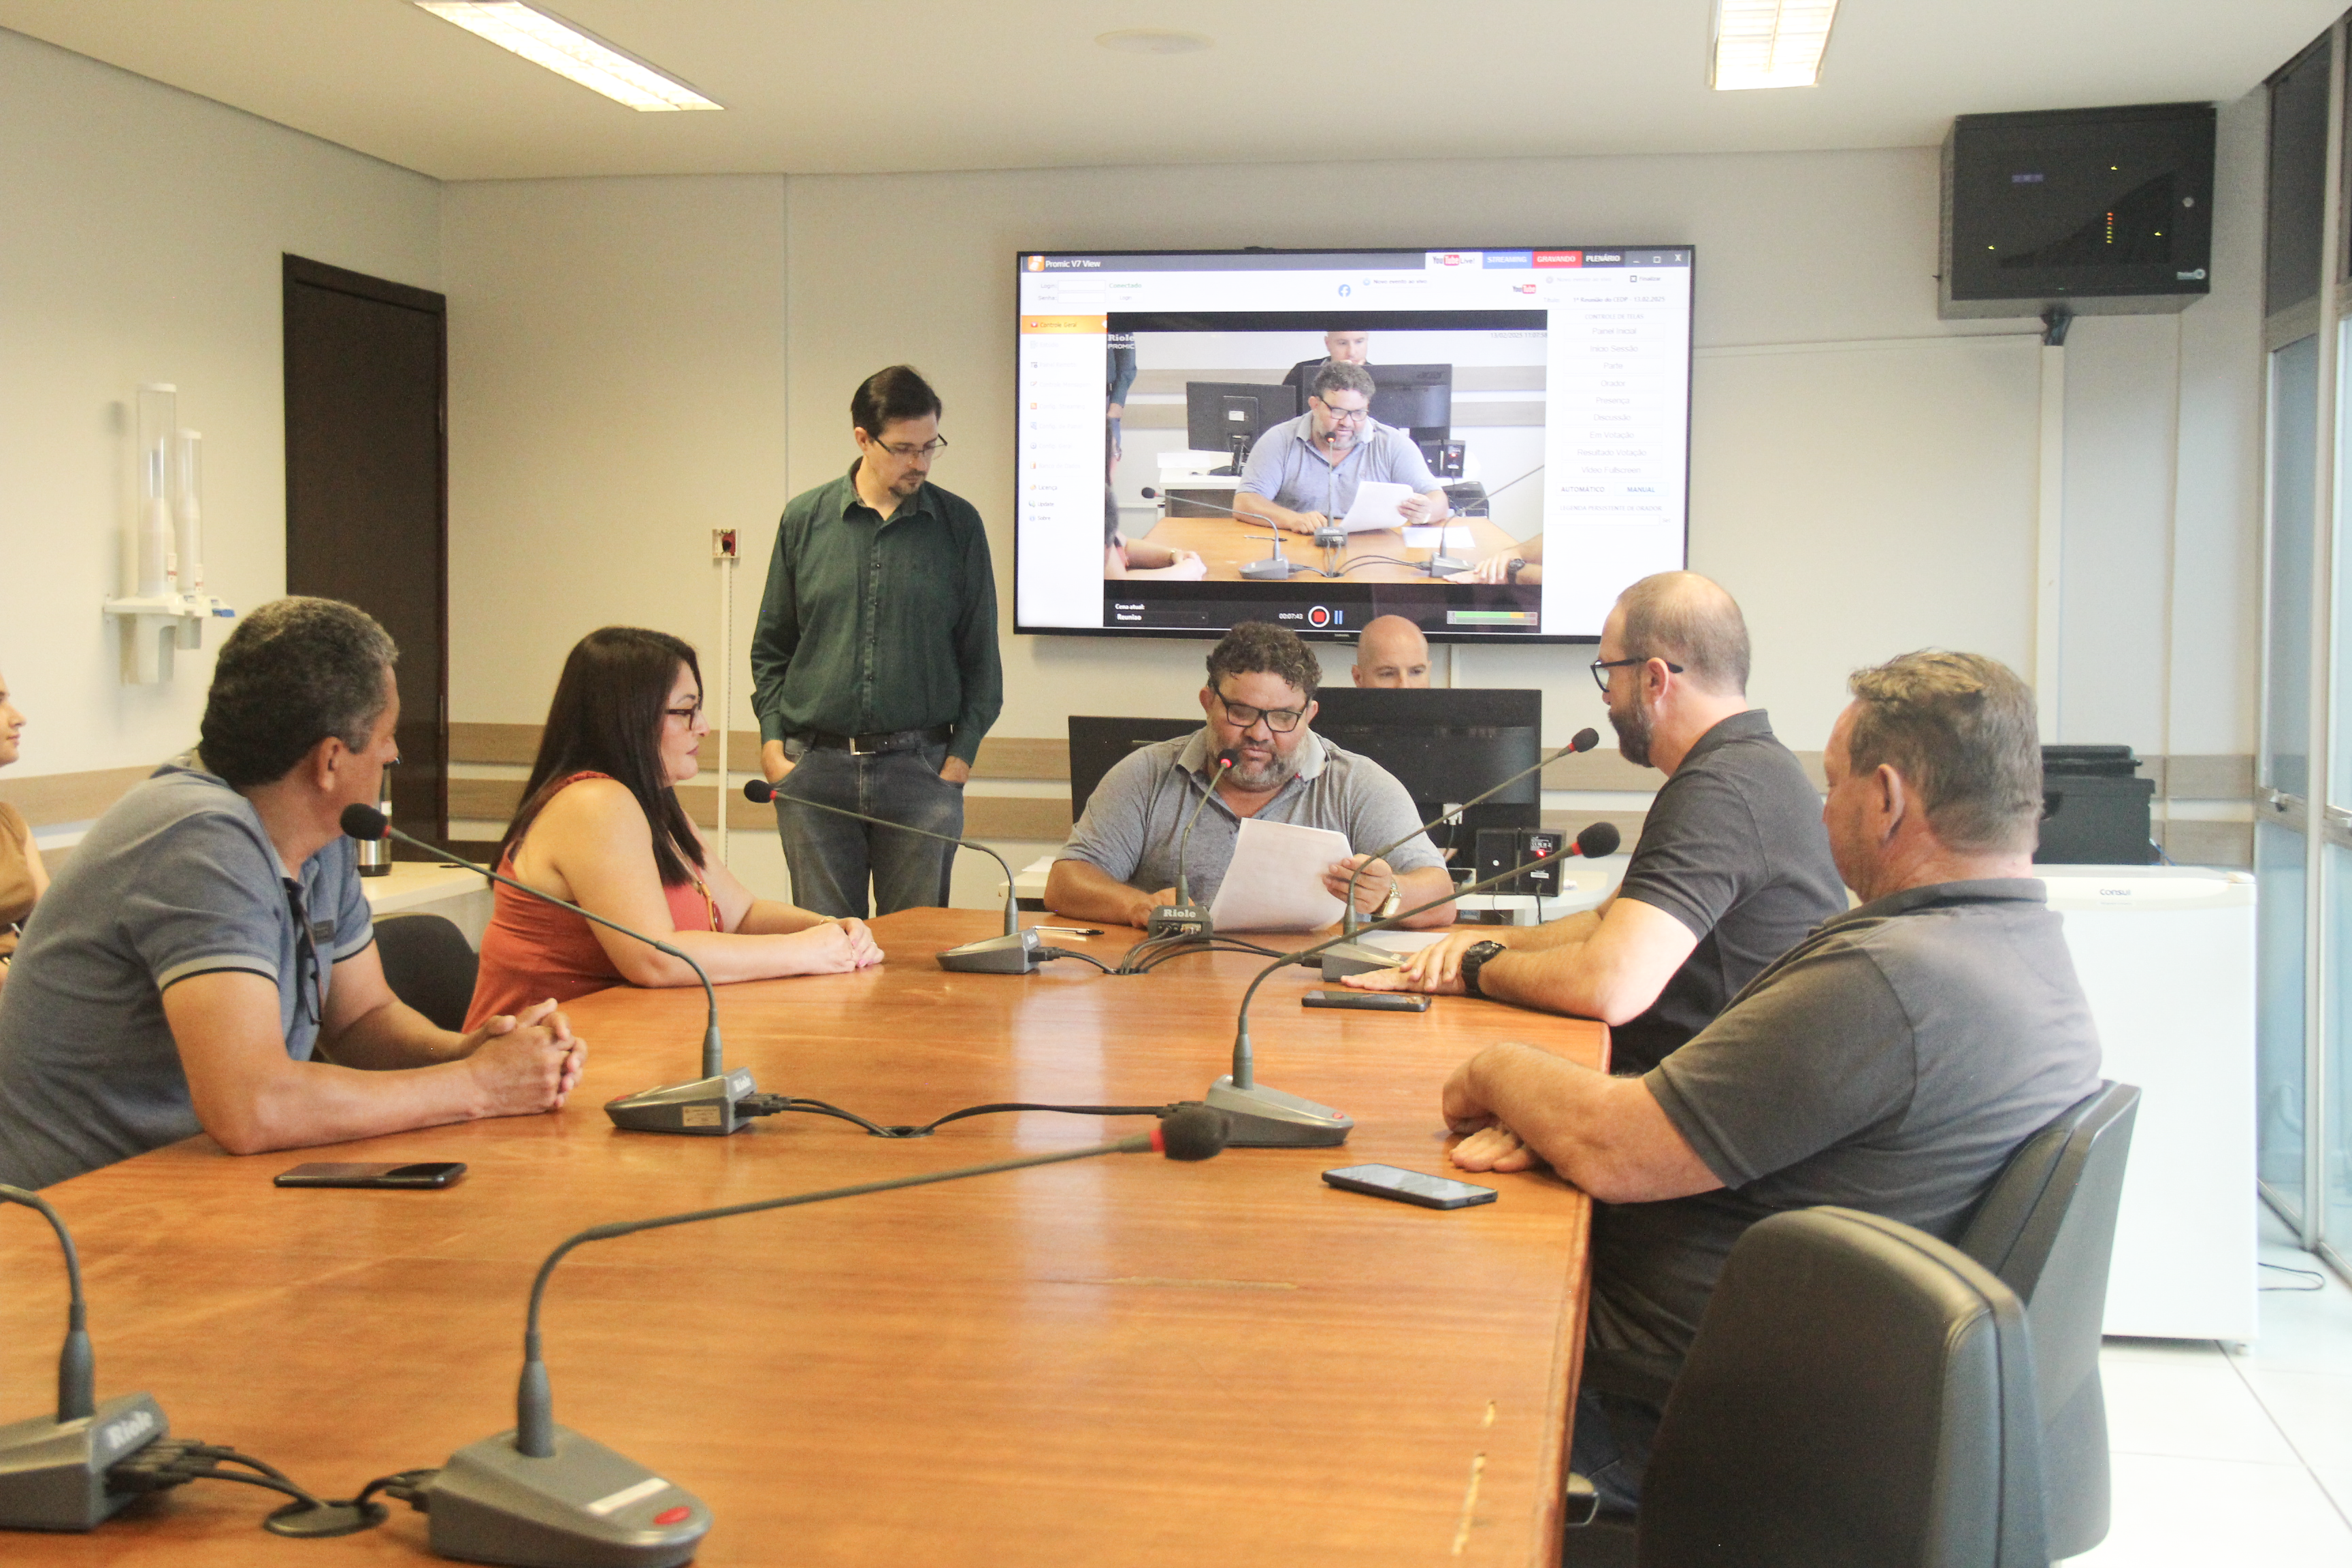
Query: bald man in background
[[1733, 868], [1391, 652]]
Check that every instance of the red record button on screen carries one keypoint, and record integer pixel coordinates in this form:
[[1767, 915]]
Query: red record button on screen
[[1318, 617]]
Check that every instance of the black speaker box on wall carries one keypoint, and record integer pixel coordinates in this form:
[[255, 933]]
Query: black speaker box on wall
[[2096, 211]]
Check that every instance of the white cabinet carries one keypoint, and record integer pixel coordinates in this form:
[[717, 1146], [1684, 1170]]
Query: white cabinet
[[2166, 957]]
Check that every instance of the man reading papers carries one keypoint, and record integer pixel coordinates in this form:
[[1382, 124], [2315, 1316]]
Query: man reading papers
[[1120, 860]]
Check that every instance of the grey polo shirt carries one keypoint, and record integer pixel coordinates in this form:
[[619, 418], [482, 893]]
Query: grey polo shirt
[[1733, 847], [1285, 468], [178, 879], [1891, 1063], [1132, 822]]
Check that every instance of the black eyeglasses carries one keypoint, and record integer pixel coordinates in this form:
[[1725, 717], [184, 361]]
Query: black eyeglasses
[[902, 450], [688, 713], [1281, 720], [1601, 667]]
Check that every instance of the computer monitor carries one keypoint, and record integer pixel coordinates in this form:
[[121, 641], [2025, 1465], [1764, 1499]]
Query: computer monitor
[[1097, 744], [1415, 397], [1230, 416], [1445, 746]]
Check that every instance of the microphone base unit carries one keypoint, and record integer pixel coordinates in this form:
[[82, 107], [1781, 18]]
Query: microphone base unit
[[1177, 920], [700, 1107], [1355, 958], [1272, 569], [1440, 564], [583, 1506], [1262, 1118], [53, 1474], [1018, 953]]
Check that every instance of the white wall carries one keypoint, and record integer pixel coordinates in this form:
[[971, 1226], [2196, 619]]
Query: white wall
[[1861, 482], [140, 232]]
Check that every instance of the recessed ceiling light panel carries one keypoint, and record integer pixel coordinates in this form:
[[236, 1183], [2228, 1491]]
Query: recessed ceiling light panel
[[1769, 43], [1154, 41], [548, 40]]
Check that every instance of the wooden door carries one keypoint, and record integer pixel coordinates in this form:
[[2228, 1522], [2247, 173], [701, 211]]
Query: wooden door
[[367, 493]]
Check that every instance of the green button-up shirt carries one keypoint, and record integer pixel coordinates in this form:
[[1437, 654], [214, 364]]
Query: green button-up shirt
[[871, 626]]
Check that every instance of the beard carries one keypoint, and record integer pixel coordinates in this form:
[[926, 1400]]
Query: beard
[[1632, 723], [1277, 773]]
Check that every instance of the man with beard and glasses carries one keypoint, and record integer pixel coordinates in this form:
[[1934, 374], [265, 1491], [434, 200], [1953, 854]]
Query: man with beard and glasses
[[1733, 868], [1260, 701]]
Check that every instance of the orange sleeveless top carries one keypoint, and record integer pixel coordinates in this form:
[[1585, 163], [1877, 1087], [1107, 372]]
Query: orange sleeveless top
[[533, 950]]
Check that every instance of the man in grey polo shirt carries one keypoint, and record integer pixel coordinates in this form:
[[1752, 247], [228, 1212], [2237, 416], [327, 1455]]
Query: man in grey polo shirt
[[209, 938], [1120, 860], [1732, 869], [1307, 469], [1891, 1062]]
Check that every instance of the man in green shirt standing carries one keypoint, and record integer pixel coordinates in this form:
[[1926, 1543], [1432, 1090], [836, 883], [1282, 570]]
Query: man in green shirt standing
[[874, 666]]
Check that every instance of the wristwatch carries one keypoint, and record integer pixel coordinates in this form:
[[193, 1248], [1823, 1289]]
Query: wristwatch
[[1394, 903], [1476, 960]]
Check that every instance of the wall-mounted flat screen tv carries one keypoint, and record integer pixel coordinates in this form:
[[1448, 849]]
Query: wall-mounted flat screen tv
[[1491, 443]]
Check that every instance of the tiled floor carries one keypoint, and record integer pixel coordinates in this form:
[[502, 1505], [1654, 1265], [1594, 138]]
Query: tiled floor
[[2238, 1458]]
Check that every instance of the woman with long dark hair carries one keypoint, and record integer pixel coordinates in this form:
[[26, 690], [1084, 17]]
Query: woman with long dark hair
[[600, 826], [22, 878]]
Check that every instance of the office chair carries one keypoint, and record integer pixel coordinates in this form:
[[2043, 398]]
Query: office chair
[[1860, 1393], [429, 965], [2047, 1227]]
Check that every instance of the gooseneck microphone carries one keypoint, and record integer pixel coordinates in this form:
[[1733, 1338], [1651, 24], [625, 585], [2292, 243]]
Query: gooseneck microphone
[[543, 1496], [1339, 961], [1266, 1118], [1017, 952], [1184, 918], [711, 1105], [53, 1474]]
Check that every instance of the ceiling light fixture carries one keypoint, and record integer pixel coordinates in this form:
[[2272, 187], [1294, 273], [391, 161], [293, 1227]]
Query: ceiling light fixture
[[546, 40], [1154, 41], [1769, 43]]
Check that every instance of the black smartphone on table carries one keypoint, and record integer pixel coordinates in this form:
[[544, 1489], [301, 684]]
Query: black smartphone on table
[[1408, 1187], [423, 1174], [1370, 1001]]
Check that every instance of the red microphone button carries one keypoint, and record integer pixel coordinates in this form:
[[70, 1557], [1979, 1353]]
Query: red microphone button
[[677, 1515]]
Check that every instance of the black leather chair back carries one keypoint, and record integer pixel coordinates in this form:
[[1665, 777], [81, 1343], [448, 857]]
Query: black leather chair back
[[428, 965], [1860, 1396], [2047, 1226]]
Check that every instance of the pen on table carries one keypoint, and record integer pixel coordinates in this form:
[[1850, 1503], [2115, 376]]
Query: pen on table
[[1071, 930]]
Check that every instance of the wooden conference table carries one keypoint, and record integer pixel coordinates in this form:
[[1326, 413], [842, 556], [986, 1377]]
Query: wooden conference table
[[1121, 1361], [1225, 543]]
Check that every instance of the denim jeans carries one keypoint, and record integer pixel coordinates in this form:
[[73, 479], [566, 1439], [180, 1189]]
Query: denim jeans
[[833, 857], [1610, 1447]]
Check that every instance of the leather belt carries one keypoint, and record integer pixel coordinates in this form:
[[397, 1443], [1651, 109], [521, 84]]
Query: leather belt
[[881, 741]]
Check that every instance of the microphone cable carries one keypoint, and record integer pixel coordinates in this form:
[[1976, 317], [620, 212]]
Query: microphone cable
[[924, 1129]]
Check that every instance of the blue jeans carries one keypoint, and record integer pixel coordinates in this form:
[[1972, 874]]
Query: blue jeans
[[833, 857]]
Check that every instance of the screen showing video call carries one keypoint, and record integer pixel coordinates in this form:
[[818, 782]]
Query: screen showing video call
[[1489, 443]]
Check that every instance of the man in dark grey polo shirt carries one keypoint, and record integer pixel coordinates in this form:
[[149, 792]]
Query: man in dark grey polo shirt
[[208, 943], [1732, 867], [1891, 1062], [874, 666], [1120, 860], [1307, 469]]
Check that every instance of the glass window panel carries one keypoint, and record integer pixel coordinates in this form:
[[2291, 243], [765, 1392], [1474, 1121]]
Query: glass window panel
[[2297, 180], [2294, 413], [2278, 1030], [2336, 1126]]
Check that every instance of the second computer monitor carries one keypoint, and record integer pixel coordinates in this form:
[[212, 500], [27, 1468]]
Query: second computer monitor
[[1445, 746], [1229, 417]]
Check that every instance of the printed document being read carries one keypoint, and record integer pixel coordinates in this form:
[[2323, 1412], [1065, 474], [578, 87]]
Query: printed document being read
[[1375, 506], [1275, 882]]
